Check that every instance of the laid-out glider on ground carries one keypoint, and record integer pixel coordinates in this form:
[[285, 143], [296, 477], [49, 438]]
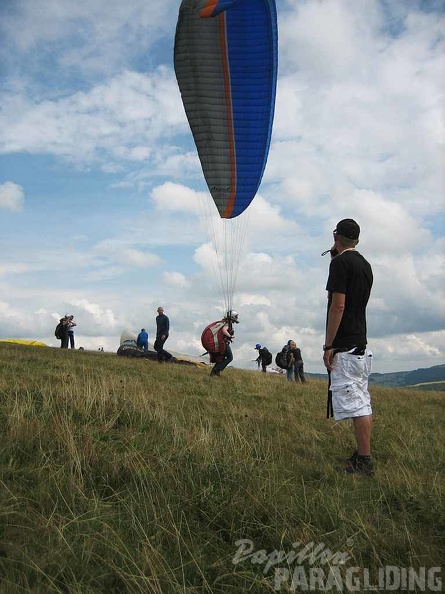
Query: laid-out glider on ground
[[226, 65]]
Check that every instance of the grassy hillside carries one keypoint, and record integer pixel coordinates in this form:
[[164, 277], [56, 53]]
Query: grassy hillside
[[123, 476]]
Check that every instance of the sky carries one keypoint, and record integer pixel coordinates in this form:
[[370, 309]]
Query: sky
[[101, 193]]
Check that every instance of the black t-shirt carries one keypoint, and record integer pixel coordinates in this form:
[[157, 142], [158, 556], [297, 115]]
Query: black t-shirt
[[351, 274]]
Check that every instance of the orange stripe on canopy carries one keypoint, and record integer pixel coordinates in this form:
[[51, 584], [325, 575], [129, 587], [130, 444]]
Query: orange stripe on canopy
[[231, 135], [208, 9]]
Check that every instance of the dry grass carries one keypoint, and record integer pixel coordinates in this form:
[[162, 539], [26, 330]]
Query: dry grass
[[123, 476]]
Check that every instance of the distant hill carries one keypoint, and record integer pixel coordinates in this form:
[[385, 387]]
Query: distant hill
[[430, 378]]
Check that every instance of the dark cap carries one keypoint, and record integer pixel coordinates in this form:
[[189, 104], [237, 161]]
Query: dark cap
[[348, 228]]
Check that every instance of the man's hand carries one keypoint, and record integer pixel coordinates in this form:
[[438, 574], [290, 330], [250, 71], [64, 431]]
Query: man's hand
[[328, 359]]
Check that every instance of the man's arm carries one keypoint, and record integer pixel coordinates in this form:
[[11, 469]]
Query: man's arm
[[335, 315], [226, 332], [291, 360]]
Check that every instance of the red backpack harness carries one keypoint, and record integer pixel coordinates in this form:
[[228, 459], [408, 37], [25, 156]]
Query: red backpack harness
[[214, 341]]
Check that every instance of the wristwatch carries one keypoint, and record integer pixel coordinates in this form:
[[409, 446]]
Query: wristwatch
[[327, 348]]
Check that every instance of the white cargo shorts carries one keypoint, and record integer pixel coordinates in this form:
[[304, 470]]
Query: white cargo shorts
[[349, 385]]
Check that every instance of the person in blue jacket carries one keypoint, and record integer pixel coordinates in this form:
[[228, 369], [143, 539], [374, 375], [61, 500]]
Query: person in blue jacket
[[142, 340]]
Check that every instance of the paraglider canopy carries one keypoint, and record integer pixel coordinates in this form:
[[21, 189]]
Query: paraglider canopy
[[226, 65]]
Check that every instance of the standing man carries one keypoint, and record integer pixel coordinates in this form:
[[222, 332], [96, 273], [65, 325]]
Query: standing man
[[346, 357], [162, 330]]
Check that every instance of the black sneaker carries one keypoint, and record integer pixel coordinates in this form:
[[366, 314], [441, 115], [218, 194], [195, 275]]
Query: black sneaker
[[352, 458], [361, 465]]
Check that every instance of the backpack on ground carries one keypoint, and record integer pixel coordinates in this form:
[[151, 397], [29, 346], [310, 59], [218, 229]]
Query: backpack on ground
[[282, 358], [266, 356], [59, 332]]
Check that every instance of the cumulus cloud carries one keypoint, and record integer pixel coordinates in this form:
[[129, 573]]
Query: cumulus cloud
[[117, 120], [359, 108], [206, 257], [8, 312], [176, 279], [89, 37], [11, 196], [177, 197], [252, 299], [14, 268], [266, 219], [118, 252], [103, 317], [329, 38], [426, 347]]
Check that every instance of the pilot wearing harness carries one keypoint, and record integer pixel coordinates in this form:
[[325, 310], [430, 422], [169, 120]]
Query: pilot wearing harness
[[216, 339]]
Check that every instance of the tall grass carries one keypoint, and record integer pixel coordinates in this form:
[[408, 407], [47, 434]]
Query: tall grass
[[124, 476]]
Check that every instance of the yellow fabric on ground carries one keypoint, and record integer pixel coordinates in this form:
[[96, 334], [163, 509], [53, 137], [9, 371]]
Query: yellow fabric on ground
[[25, 342]]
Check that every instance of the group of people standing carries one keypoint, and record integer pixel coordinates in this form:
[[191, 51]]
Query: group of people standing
[[295, 366], [289, 358], [162, 332], [65, 331]]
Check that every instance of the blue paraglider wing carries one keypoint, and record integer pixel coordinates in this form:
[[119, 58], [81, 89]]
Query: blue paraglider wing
[[226, 66]]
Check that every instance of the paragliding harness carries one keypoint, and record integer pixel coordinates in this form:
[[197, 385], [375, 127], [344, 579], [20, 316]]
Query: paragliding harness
[[214, 341], [266, 356], [282, 358], [129, 348], [59, 332]]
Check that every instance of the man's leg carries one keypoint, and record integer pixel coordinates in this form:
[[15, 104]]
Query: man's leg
[[301, 372], [228, 358], [158, 348], [362, 433], [166, 356], [218, 367], [350, 390]]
